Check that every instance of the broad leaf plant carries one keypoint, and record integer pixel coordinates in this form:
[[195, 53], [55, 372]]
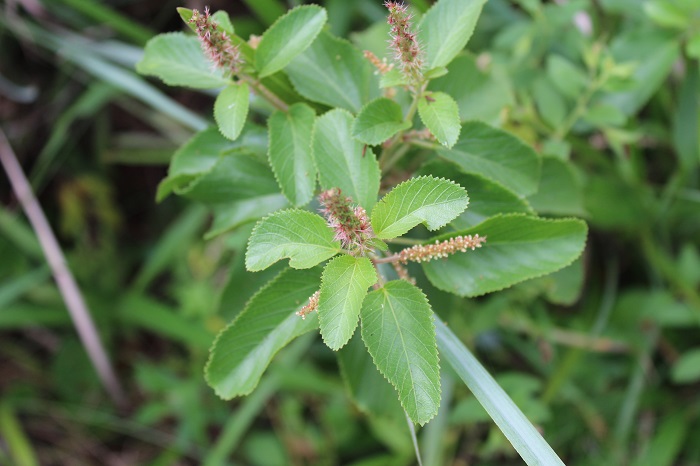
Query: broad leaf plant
[[359, 179]]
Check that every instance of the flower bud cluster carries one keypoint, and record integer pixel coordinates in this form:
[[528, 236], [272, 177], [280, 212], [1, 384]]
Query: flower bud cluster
[[215, 42], [402, 273], [350, 223], [407, 51], [310, 307], [428, 252]]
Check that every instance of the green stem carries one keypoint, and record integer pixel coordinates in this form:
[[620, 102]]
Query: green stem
[[265, 93]]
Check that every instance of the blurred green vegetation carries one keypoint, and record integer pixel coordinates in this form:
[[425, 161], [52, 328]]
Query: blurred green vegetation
[[603, 356]]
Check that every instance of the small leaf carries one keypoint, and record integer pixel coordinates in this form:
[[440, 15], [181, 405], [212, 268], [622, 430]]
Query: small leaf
[[398, 330], [566, 76], [290, 152], [301, 236], [446, 28], [431, 201], [231, 109], [178, 60], [378, 121], [392, 78], [244, 349], [496, 155], [343, 287], [288, 37], [342, 161], [440, 114], [687, 368], [518, 247], [334, 72]]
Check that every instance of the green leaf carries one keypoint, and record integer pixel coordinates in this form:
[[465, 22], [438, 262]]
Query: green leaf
[[178, 60], [398, 330], [560, 191], [686, 120], [236, 176], [526, 440], [231, 109], [655, 53], [301, 236], [687, 368], [496, 155], [486, 198], [517, 248], [378, 121], [343, 161], [343, 287], [290, 152], [569, 79], [446, 28], [334, 72], [244, 349], [440, 114], [288, 37], [431, 201], [230, 215], [551, 105]]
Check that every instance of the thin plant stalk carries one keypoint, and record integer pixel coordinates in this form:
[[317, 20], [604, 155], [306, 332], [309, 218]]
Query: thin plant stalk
[[73, 298]]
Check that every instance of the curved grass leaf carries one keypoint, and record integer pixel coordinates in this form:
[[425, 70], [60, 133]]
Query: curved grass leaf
[[343, 287], [299, 235], [378, 121], [518, 247], [446, 28], [231, 109], [334, 72], [496, 155], [439, 112], [431, 201], [290, 152], [178, 60], [507, 416], [398, 330], [289, 36], [342, 161], [244, 349]]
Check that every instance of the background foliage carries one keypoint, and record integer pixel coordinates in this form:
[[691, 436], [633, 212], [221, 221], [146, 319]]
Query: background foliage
[[602, 355]]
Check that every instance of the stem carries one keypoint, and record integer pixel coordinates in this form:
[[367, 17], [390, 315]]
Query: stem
[[391, 155], [386, 260], [265, 93], [64, 278]]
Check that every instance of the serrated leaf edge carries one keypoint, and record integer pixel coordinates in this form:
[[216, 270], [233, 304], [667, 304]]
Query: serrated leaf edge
[[278, 20], [432, 325], [412, 180], [358, 314], [403, 122]]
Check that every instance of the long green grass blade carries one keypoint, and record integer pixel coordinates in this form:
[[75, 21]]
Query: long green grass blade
[[507, 416]]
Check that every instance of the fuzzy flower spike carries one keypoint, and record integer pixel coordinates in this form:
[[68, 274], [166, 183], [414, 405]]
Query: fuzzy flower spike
[[350, 223], [407, 51], [216, 44]]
